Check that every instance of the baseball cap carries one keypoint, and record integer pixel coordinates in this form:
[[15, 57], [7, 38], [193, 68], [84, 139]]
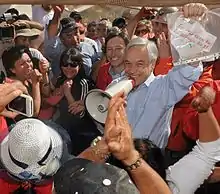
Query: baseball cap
[[84, 176], [119, 22], [68, 25], [27, 32], [75, 15]]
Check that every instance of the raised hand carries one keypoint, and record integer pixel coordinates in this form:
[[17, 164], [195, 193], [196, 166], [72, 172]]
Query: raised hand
[[44, 66], [118, 132], [67, 86], [204, 100], [36, 76], [163, 46], [194, 10]]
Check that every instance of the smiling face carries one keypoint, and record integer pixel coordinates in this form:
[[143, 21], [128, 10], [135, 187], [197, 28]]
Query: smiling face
[[115, 50], [70, 71], [23, 67], [137, 65]]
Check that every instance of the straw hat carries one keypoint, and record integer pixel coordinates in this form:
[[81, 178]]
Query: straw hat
[[30, 149]]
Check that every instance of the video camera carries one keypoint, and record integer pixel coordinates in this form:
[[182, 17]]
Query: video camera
[[7, 31], [7, 17]]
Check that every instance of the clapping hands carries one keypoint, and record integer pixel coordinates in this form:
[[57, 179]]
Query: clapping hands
[[118, 133]]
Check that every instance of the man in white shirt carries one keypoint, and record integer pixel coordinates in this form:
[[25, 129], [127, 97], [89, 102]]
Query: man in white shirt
[[42, 14]]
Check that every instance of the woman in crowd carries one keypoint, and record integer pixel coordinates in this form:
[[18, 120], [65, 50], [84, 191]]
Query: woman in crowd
[[73, 86], [115, 45], [19, 67]]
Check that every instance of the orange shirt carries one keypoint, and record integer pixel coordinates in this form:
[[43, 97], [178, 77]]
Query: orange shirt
[[163, 66], [183, 112], [3, 128]]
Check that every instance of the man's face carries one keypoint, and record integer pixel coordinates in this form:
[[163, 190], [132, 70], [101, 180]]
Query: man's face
[[22, 41], [23, 67], [115, 50], [137, 65], [71, 38], [47, 7]]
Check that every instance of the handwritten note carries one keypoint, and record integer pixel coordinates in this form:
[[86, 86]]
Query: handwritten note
[[190, 38]]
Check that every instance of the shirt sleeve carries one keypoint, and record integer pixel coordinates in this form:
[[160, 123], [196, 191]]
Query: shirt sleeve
[[52, 48], [178, 82], [185, 176]]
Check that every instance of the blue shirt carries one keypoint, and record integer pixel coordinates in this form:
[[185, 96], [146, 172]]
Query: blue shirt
[[150, 106], [54, 48]]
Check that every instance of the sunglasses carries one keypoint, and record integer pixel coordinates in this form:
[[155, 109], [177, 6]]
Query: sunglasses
[[144, 31], [72, 64]]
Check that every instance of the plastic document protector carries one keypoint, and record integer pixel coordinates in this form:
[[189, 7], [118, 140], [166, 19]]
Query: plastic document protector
[[194, 39]]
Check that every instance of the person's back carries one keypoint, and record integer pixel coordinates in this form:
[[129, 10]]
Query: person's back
[[10, 185]]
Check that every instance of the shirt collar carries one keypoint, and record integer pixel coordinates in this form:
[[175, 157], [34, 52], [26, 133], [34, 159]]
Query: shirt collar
[[149, 79], [113, 74]]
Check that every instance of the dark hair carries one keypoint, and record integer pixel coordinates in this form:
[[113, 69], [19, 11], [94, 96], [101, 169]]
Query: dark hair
[[92, 24], [9, 57], [75, 15], [152, 155], [75, 56], [13, 11], [23, 17], [115, 32]]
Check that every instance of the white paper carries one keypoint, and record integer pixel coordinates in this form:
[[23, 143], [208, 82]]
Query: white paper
[[190, 39]]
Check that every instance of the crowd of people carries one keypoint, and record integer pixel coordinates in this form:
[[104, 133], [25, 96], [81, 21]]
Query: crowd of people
[[161, 138]]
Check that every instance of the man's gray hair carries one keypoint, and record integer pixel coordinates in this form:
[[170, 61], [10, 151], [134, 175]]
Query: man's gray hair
[[149, 45]]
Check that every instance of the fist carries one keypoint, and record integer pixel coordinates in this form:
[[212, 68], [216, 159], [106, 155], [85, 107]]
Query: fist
[[36, 76], [204, 100], [58, 8], [67, 85], [44, 66], [194, 10]]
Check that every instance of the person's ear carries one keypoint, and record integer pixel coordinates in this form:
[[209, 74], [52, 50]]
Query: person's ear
[[12, 70]]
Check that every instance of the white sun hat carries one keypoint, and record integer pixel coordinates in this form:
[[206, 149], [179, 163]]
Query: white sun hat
[[28, 149]]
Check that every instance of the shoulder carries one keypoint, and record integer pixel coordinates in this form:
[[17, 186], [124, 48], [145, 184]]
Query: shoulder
[[105, 67], [86, 47], [89, 40]]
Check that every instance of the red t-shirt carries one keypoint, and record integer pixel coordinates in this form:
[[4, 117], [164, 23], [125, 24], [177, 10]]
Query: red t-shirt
[[9, 186], [104, 78], [3, 128]]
